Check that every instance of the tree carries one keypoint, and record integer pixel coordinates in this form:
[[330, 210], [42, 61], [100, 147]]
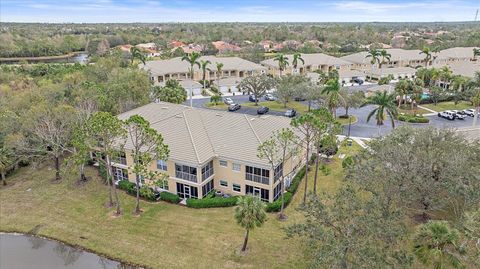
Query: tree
[[216, 99], [137, 54], [306, 124], [256, 85], [402, 89], [345, 230], [7, 162], [385, 106], [385, 80], [428, 55], [282, 62], [288, 87], [146, 145], [374, 54], [192, 59], [413, 168], [334, 98], [476, 52], [203, 65], [172, 92], [436, 244], [457, 88], [219, 67], [276, 150], [352, 99], [107, 130], [385, 57], [249, 213], [297, 56]]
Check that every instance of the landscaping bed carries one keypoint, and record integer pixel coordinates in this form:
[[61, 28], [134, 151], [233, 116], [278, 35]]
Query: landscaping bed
[[277, 106], [448, 106], [413, 118]]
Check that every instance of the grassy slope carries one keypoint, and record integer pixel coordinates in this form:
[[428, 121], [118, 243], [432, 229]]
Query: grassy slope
[[448, 106], [164, 235]]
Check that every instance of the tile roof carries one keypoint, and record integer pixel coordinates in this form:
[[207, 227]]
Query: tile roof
[[456, 53], [463, 68], [310, 59], [195, 135], [392, 70], [397, 55]]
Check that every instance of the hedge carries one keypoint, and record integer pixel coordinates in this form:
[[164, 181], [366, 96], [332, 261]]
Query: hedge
[[212, 202], [413, 119], [296, 181], [170, 197], [277, 204]]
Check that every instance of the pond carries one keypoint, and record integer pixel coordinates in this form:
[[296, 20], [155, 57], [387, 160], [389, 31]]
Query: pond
[[24, 251], [80, 57]]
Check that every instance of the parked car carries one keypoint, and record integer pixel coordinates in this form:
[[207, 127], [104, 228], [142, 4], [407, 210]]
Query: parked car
[[469, 112], [252, 98], [228, 101], [234, 107], [299, 98], [447, 115], [359, 81], [269, 97], [262, 110], [290, 113], [459, 114]]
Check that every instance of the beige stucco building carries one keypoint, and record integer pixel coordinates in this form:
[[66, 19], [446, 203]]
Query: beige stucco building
[[212, 150]]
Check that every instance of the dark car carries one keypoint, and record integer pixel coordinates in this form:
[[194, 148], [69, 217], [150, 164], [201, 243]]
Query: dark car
[[262, 110], [252, 98], [358, 81], [290, 113], [234, 107], [299, 99]]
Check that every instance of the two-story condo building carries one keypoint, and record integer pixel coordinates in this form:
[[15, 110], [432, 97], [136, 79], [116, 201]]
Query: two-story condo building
[[212, 150], [312, 62]]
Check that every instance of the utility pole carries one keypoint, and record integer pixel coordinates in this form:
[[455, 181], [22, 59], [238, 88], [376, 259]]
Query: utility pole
[[476, 15]]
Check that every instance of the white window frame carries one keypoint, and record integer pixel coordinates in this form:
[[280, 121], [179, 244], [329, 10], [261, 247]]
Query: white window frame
[[222, 180], [233, 187], [163, 163], [223, 161], [239, 167]]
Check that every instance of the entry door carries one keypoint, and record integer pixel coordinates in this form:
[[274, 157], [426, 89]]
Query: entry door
[[256, 192], [186, 191]]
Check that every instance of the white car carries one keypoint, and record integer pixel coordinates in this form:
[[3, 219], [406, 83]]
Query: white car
[[459, 114], [469, 112], [450, 115], [269, 97], [228, 101]]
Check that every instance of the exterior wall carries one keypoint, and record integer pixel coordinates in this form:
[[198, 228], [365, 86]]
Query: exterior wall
[[209, 75], [275, 71]]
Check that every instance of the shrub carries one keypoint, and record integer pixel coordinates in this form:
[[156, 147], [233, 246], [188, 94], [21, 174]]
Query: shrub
[[170, 197], [347, 162], [413, 118], [345, 116], [296, 181], [147, 193], [125, 185], [102, 171], [212, 202], [277, 204]]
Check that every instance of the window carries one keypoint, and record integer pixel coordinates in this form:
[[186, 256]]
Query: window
[[120, 174], [162, 165], [186, 172], [277, 191], [223, 163], [223, 183], [255, 191], [258, 175], [186, 191], [207, 188], [207, 170], [237, 187], [121, 158], [278, 172], [236, 167]]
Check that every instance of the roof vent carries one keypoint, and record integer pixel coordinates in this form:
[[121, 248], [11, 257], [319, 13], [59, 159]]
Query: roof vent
[[164, 107]]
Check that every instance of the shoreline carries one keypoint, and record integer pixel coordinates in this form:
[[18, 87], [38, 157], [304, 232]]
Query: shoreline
[[46, 237], [41, 58]]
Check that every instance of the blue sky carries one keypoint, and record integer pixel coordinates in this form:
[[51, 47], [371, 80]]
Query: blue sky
[[236, 10]]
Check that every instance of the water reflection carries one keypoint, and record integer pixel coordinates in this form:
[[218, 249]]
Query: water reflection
[[36, 242], [68, 254]]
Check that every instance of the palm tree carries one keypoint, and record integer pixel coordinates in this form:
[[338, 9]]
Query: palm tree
[[296, 57], [476, 52], [385, 106], [203, 66], [332, 90], [192, 59], [445, 75], [374, 54], [385, 56], [6, 162], [249, 213], [428, 55], [219, 73], [436, 245], [282, 62], [401, 88], [137, 54]]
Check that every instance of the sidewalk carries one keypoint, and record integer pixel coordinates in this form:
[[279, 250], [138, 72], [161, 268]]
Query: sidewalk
[[433, 112]]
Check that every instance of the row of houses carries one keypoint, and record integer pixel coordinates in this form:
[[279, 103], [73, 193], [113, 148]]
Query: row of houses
[[402, 64]]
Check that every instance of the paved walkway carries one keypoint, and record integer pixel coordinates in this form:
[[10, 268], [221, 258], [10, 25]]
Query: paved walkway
[[358, 140]]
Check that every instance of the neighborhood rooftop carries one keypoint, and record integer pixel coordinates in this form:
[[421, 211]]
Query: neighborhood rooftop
[[195, 135], [396, 55], [310, 59]]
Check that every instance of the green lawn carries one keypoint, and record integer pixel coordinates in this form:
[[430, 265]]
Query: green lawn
[[346, 121], [449, 106], [163, 236], [274, 105], [220, 105], [407, 110]]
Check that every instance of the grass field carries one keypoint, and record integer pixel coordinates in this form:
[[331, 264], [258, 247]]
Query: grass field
[[346, 121], [220, 105], [274, 105], [407, 110], [163, 236], [449, 106]]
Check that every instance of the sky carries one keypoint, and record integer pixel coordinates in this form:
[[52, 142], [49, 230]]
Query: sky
[[103, 11]]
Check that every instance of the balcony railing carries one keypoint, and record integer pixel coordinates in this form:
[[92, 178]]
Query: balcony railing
[[120, 160], [257, 178], [207, 174], [186, 176]]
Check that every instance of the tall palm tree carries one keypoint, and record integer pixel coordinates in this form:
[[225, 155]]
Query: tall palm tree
[[445, 75], [385, 58], [297, 57], [219, 67], [375, 55], [203, 66], [385, 106], [249, 213], [476, 52], [192, 59], [428, 55], [332, 91], [282, 61], [137, 54], [435, 244], [401, 89]]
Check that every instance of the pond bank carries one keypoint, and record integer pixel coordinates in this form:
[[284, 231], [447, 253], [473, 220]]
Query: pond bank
[[77, 56]]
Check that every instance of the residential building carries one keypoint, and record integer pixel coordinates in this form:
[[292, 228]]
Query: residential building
[[399, 58], [312, 62], [233, 67], [466, 69], [457, 54], [396, 72], [212, 150], [224, 47]]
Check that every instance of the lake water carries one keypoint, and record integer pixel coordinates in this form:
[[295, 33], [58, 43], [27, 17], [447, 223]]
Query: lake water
[[29, 252], [77, 58]]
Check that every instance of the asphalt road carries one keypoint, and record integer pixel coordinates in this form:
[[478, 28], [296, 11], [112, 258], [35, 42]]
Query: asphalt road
[[361, 128]]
